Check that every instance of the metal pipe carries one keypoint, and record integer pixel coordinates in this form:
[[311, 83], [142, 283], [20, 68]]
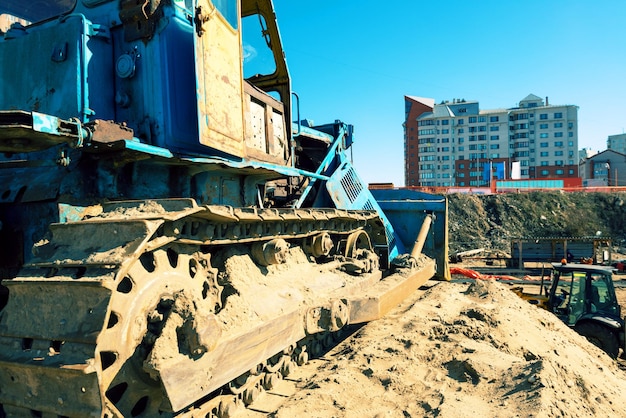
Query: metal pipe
[[292, 141], [421, 237]]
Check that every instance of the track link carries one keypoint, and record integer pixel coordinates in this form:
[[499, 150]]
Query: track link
[[136, 311]]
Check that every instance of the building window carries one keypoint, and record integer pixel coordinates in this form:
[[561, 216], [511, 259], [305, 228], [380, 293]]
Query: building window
[[543, 126], [544, 154], [570, 134], [558, 115], [445, 122], [558, 153], [544, 163], [494, 128], [494, 137], [482, 119], [543, 116], [472, 119], [545, 173], [558, 143], [494, 146], [460, 122], [559, 172], [494, 118], [427, 132], [558, 125], [543, 135]]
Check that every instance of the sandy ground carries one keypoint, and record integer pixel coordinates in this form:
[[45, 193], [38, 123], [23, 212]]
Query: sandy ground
[[464, 350]]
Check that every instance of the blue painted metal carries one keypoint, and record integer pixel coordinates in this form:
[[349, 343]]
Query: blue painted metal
[[257, 165], [73, 160], [329, 163], [300, 129], [67, 52], [348, 191], [406, 210]]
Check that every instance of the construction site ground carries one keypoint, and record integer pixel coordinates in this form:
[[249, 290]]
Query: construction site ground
[[465, 348], [473, 348]]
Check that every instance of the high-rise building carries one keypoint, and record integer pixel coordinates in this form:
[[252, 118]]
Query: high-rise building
[[458, 144], [617, 143], [413, 108]]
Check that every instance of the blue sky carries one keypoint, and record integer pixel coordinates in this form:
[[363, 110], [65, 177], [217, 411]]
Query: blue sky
[[356, 60]]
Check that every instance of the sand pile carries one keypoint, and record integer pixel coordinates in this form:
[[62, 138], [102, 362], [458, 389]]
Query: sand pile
[[464, 351]]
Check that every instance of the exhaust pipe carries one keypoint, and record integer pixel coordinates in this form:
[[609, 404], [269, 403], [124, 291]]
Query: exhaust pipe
[[421, 237]]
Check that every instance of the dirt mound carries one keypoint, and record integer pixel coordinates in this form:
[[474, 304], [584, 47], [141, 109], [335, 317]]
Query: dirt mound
[[464, 351], [490, 221]]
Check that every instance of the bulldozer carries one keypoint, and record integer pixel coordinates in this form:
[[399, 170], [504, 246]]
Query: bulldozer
[[583, 297], [175, 238]]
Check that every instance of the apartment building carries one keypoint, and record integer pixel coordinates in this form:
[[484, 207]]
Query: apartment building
[[456, 144], [606, 168], [617, 143]]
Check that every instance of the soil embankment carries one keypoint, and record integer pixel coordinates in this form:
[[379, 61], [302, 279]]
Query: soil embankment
[[475, 349], [490, 221]]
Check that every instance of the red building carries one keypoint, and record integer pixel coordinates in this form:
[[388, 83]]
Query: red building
[[413, 108]]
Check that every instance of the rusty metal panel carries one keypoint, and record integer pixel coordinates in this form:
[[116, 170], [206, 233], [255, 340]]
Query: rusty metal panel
[[265, 134], [278, 141], [219, 80], [67, 391], [65, 310], [255, 125]]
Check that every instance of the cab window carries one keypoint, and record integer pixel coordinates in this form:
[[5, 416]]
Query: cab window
[[228, 9], [600, 298], [258, 57]]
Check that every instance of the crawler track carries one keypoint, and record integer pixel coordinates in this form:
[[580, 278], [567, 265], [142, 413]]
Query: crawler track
[[142, 309], [303, 377]]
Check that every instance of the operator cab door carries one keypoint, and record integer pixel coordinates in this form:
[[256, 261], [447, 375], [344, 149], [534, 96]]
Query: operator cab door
[[568, 296], [219, 80]]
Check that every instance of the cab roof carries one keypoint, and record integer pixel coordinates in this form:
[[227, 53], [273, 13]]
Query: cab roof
[[582, 267]]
